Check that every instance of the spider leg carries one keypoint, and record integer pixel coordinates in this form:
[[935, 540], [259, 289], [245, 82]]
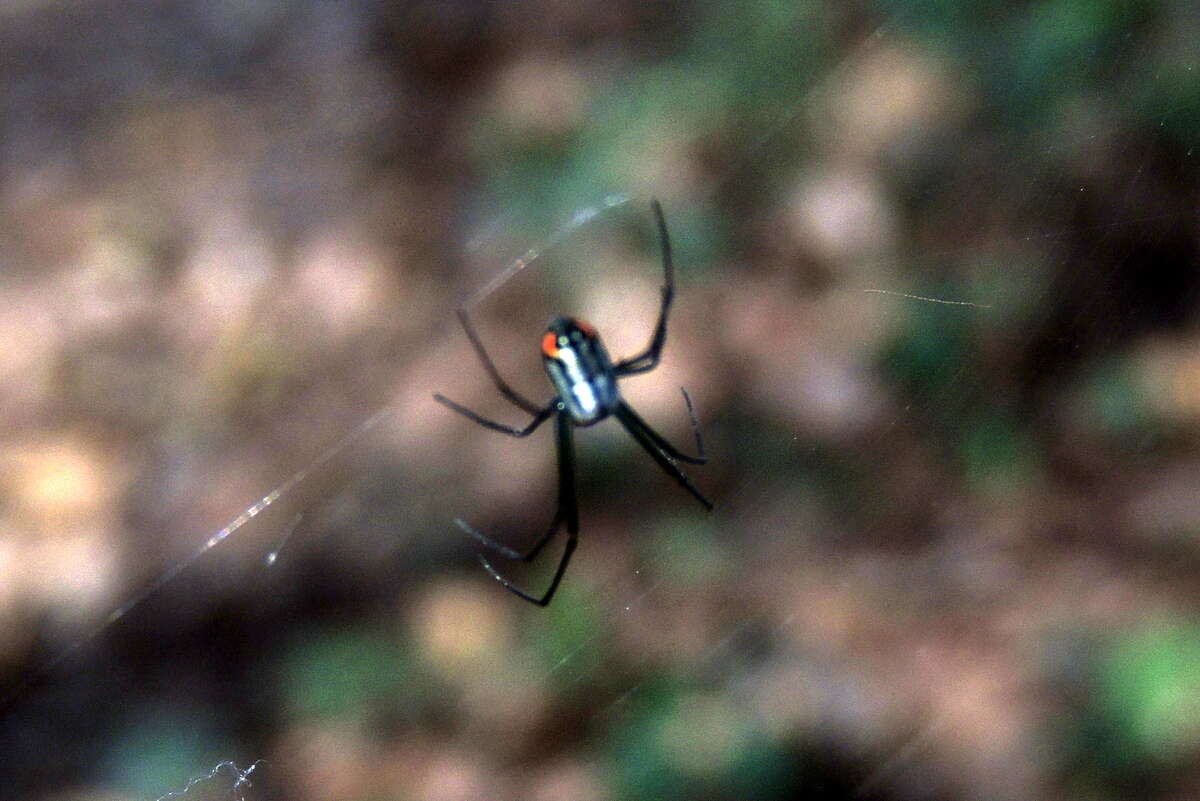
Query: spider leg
[[568, 510], [508, 392], [648, 359], [649, 440], [504, 550], [539, 416], [572, 541], [666, 447]]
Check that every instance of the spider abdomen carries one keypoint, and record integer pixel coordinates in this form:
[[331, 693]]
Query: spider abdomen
[[580, 369]]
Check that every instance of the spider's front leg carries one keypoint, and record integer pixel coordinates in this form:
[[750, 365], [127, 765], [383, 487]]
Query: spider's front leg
[[539, 416], [514, 397], [648, 359]]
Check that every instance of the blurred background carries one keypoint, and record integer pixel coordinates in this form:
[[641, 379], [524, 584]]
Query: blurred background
[[937, 308]]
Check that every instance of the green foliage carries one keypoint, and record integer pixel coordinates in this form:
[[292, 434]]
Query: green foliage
[[1110, 398], [692, 534], [161, 747], [936, 360], [674, 743], [996, 451], [571, 627], [348, 673], [1034, 54], [1150, 692], [1142, 718], [1166, 88], [930, 356]]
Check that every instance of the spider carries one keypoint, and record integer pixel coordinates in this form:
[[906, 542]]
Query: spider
[[585, 384]]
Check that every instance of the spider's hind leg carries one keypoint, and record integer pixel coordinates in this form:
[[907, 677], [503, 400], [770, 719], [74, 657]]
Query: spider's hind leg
[[568, 511], [572, 541], [504, 550], [653, 443]]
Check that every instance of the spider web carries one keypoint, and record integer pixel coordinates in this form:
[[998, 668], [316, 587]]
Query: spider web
[[810, 627]]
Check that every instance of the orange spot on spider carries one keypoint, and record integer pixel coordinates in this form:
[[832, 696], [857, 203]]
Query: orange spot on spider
[[550, 345]]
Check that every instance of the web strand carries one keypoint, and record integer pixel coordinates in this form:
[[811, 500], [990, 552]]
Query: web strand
[[580, 218], [173, 572]]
